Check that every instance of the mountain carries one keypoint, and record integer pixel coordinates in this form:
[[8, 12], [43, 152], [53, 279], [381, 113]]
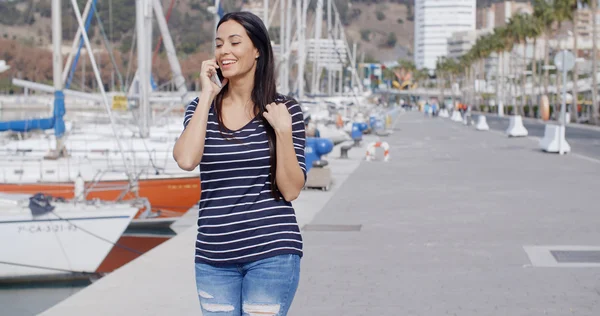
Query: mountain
[[383, 30]]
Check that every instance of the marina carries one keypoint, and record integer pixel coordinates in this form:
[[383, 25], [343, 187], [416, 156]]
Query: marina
[[426, 192]]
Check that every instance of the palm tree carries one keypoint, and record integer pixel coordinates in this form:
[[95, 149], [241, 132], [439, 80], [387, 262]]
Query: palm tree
[[452, 70], [535, 30], [484, 50], [594, 114], [543, 10], [498, 46], [465, 63], [594, 108], [509, 36], [440, 69], [565, 10], [520, 26], [574, 7], [421, 77]]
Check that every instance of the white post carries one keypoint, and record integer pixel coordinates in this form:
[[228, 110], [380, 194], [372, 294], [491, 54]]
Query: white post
[[563, 105], [266, 13], [288, 45], [56, 45], [315, 73], [329, 37], [341, 80], [217, 3], [143, 71], [353, 65], [84, 62], [178, 78], [282, 48], [59, 98], [301, 43]]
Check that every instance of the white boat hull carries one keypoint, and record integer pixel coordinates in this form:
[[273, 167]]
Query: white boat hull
[[71, 238]]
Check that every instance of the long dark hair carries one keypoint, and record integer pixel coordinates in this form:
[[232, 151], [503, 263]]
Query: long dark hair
[[264, 91]]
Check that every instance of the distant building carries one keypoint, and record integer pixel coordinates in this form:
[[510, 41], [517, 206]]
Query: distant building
[[435, 22], [498, 14], [459, 43]]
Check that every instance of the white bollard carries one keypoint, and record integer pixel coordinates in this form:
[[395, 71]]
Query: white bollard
[[79, 189], [456, 117], [482, 123], [444, 113], [516, 127], [554, 140]]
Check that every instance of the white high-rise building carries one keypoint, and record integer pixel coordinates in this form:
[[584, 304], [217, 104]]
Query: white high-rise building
[[435, 21]]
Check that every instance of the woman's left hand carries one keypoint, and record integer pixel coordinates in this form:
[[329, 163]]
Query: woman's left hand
[[279, 117]]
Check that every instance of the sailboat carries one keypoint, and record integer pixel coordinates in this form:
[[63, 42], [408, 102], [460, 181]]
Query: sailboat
[[86, 164], [54, 237]]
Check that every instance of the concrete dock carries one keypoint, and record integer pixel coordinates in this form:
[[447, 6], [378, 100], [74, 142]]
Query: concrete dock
[[458, 222]]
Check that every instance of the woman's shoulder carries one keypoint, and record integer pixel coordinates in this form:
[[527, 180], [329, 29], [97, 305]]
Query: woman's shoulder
[[282, 98], [290, 102]]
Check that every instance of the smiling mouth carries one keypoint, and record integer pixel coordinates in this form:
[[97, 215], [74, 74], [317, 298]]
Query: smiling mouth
[[228, 62]]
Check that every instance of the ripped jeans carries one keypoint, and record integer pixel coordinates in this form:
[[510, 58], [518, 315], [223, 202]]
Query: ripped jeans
[[263, 287]]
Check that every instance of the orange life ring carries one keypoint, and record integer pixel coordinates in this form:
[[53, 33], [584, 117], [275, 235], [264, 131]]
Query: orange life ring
[[373, 146]]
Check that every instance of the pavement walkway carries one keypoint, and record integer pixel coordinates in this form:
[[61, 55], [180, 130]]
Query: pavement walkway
[[444, 229], [584, 139], [444, 225]]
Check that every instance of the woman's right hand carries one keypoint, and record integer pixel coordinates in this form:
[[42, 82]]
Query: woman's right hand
[[208, 68]]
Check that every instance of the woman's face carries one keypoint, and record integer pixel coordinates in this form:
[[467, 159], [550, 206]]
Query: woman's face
[[235, 53]]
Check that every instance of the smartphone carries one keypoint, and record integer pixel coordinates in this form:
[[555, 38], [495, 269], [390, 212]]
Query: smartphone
[[216, 80]]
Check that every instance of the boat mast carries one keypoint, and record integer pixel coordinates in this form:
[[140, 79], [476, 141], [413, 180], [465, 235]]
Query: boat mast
[[316, 74], [57, 30], [143, 11], [170, 48], [266, 13], [330, 39], [301, 7], [59, 97]]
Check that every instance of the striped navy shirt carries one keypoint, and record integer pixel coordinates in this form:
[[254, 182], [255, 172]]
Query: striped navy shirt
[[239, 220]]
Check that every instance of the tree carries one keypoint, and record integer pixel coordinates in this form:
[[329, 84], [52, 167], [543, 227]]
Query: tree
[[391, 39], [518, 26], [564, 10], [365, 34], [594, 114], [535, 31], [498, 46], [544, 12]]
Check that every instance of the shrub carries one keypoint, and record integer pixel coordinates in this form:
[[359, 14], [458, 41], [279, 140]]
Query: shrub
[[365, 35], [391, 39]]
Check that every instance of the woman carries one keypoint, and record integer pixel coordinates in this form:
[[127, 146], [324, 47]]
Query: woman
[[249, 142]]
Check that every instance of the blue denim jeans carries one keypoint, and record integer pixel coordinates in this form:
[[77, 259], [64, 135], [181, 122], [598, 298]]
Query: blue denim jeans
[[263, 287]]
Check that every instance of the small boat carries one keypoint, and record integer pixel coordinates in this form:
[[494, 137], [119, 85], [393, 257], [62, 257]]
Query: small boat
[[93, 156], [45, 237]]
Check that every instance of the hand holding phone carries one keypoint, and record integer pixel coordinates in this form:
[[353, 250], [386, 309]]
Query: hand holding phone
[[216, 80], [209, 79]]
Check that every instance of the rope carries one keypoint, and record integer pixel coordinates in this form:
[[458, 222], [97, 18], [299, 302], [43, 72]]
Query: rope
[[42, 267], [88, 20], [94, 235]]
